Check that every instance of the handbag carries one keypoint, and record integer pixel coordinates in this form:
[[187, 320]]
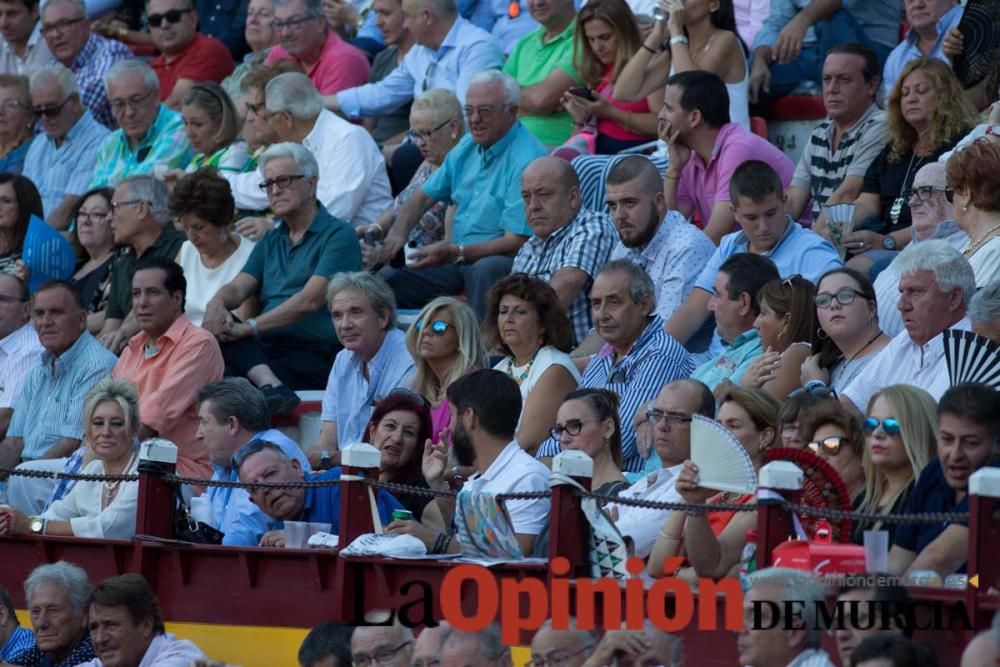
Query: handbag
[[186, 529]]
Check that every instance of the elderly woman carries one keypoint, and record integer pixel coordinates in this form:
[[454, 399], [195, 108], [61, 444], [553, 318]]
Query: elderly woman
[[798, 403], [588, 422], [399, 427], [213, 254], [835, 434], [526, 322], [974, 189], [17, 122], [445, 345], [927, 114], [96, 509], [931, 220], [436, 125], [260, 35], [92, 219], [213, 128], [984, 311]]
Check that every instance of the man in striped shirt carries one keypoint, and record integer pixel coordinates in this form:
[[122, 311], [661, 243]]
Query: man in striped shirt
[[836, 157], [14, 639], [20, 350]]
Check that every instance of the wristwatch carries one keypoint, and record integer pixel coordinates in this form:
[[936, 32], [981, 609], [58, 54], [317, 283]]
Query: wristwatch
[[888, 242], [38, 525], [252, 321], [460, 257]]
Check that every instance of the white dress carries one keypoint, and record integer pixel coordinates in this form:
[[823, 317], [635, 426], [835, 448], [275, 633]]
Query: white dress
[[82, 506], [202, 282]]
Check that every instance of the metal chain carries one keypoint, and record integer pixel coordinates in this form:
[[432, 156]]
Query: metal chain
[[406, 488], [79, 477]]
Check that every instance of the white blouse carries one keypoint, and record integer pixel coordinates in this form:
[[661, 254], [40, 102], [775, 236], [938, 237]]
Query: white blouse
[[82, 506], [546, 357]]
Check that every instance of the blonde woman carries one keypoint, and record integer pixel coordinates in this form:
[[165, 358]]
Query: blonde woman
[[445, 345], [900, 439]]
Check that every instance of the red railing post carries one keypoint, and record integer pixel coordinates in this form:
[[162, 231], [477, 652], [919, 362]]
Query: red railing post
[[568, 528], [777, 480], [983, 566], [358, 459], [155, 508]]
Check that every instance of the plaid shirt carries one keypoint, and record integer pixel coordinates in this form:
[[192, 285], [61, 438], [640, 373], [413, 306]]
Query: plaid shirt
[[89, 68], [585, 243]]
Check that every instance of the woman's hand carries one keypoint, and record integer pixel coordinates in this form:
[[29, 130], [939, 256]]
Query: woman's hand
[[811, 370], [416, 529], [254, 227], [371, 255], [660, 30], [687, 485], [572, 104], [675, 16], [216, 319], [13, 521], [761, 370], [236, 331], [953, 44], [273, 538], [21, 271], [435, 460], [862, 241]]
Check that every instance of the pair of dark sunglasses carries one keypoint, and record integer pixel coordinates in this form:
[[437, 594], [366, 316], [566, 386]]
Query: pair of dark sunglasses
[[889, 425], [828, 446], [437, 326], [172, 16]]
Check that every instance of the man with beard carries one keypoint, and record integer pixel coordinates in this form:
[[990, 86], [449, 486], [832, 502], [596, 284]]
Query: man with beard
[[264, 461], [485, 408]]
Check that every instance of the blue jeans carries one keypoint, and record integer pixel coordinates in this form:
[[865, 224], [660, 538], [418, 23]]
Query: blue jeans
[[415, 287]]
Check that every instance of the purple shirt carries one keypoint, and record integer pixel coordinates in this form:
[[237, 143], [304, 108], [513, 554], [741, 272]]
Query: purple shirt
[[703, 186]]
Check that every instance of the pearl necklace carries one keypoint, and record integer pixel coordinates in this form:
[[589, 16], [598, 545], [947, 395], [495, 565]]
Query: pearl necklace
[[980, 242]]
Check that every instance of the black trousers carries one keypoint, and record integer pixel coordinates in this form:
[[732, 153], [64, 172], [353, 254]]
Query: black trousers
[[300, 364]]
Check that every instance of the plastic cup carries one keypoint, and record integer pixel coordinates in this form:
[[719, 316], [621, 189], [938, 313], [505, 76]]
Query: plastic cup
[[318, 528], [877, 551], [296, 534]]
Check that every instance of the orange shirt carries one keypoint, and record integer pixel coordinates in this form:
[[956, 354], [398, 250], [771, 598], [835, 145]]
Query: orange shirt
[[168, 383]]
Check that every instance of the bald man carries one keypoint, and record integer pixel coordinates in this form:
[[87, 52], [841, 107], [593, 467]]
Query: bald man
[[569, 244]]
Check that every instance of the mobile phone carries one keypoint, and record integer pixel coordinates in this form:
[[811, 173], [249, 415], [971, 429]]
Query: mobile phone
[[585, 93]]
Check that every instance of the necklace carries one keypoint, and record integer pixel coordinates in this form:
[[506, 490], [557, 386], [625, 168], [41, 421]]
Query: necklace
[[981, 241], [523, 374], [866, 346], [111, 488], [897, 205]]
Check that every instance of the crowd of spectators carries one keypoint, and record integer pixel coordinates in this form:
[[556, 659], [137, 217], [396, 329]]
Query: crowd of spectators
[[490, 234]]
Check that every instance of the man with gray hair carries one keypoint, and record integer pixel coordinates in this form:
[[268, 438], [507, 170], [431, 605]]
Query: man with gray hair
[[984, 311], [88, 55], [61, 159], [935, 286], [567, 648], [231, 413], [774, 636], [461, 649], [390, 644], [374, 361], [353, 184], [448, 53], [289, 271], [481, 176], [149, 133], [57, 596], [140, 222]]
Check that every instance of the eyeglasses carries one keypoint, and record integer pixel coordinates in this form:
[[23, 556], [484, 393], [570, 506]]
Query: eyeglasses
[[557, 658], [484, 111], [889, 425], [7, 300], [656, 416], [828, 446], [844, 297], [251, 448], [922, 192], [8, 106], [134, 102], [429, 662], [404, 393], [382, 656], [818, 392], [573, 427], [437, 326], [255, 109], [172, 16], [91, 216], [60, 26], [283, 182], [292, 24], [115, 205], [790, 280], [50, 112], [949, 194], [422, 137]]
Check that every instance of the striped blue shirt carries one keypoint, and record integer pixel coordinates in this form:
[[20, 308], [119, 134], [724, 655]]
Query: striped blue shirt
[[51, 405], [19, 641], [350, 397], [656, 359]]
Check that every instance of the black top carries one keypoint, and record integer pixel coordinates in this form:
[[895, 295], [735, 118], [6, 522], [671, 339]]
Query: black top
[[858, 529], [95, 287]]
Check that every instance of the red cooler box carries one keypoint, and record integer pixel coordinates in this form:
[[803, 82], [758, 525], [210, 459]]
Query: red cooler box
[[820, 556]]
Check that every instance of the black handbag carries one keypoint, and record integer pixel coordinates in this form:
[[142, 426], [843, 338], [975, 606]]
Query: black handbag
[[187, 529]]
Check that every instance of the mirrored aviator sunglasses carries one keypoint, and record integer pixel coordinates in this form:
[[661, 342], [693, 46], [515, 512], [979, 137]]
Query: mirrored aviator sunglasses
[[437, 326], [889, 425], [827, 446]]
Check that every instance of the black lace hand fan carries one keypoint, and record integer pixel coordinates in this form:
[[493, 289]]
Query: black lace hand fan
[[821, 488], [971, 358], [980, 28]]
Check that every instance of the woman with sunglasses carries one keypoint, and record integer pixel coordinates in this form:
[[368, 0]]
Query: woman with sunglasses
[[786, 324], [848, 335], [588, 421], [900, 440], [399, 427], [436, 126], [792, 409], [17, 122], [92, 278], [445, 345], [713, 542], [525, 320], [835, 434], [974, 182]]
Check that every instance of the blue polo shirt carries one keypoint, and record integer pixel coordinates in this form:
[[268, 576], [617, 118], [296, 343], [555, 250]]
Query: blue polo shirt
[[322, 504], [732, 363]]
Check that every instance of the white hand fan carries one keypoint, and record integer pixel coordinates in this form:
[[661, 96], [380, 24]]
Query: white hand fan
[[840, 222], [971, 358], [722, 461]]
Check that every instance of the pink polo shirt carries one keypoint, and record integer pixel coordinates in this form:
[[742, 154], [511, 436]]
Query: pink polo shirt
[[340, 65], [702, 186]]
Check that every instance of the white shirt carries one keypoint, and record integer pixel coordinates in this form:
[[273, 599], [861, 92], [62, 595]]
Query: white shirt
[[516, 471], [811, 657], [985, 262], [203, 283], [20, 351], [353, 182], [640, 523], [36, 55], [164, 651], [82, 506], [904, 362], [545, 357]]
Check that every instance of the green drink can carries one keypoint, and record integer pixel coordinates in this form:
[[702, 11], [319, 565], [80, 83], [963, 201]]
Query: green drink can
[[402, 515]]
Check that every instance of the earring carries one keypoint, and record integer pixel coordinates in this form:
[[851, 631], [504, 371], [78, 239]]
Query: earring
[[965, 206], [822, 335]]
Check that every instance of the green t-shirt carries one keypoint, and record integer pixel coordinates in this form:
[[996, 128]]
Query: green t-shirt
[[531, 61]]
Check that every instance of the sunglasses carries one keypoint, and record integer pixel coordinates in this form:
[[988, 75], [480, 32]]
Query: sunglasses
[[50, 112], [889, 425], [844, 297], [437, 326], [173, 16], [828, 446], [573, 427], [401, 392], [816, 391], [251, 448]]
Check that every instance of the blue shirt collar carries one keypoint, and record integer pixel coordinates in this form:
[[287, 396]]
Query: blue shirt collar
[[741, 240]]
